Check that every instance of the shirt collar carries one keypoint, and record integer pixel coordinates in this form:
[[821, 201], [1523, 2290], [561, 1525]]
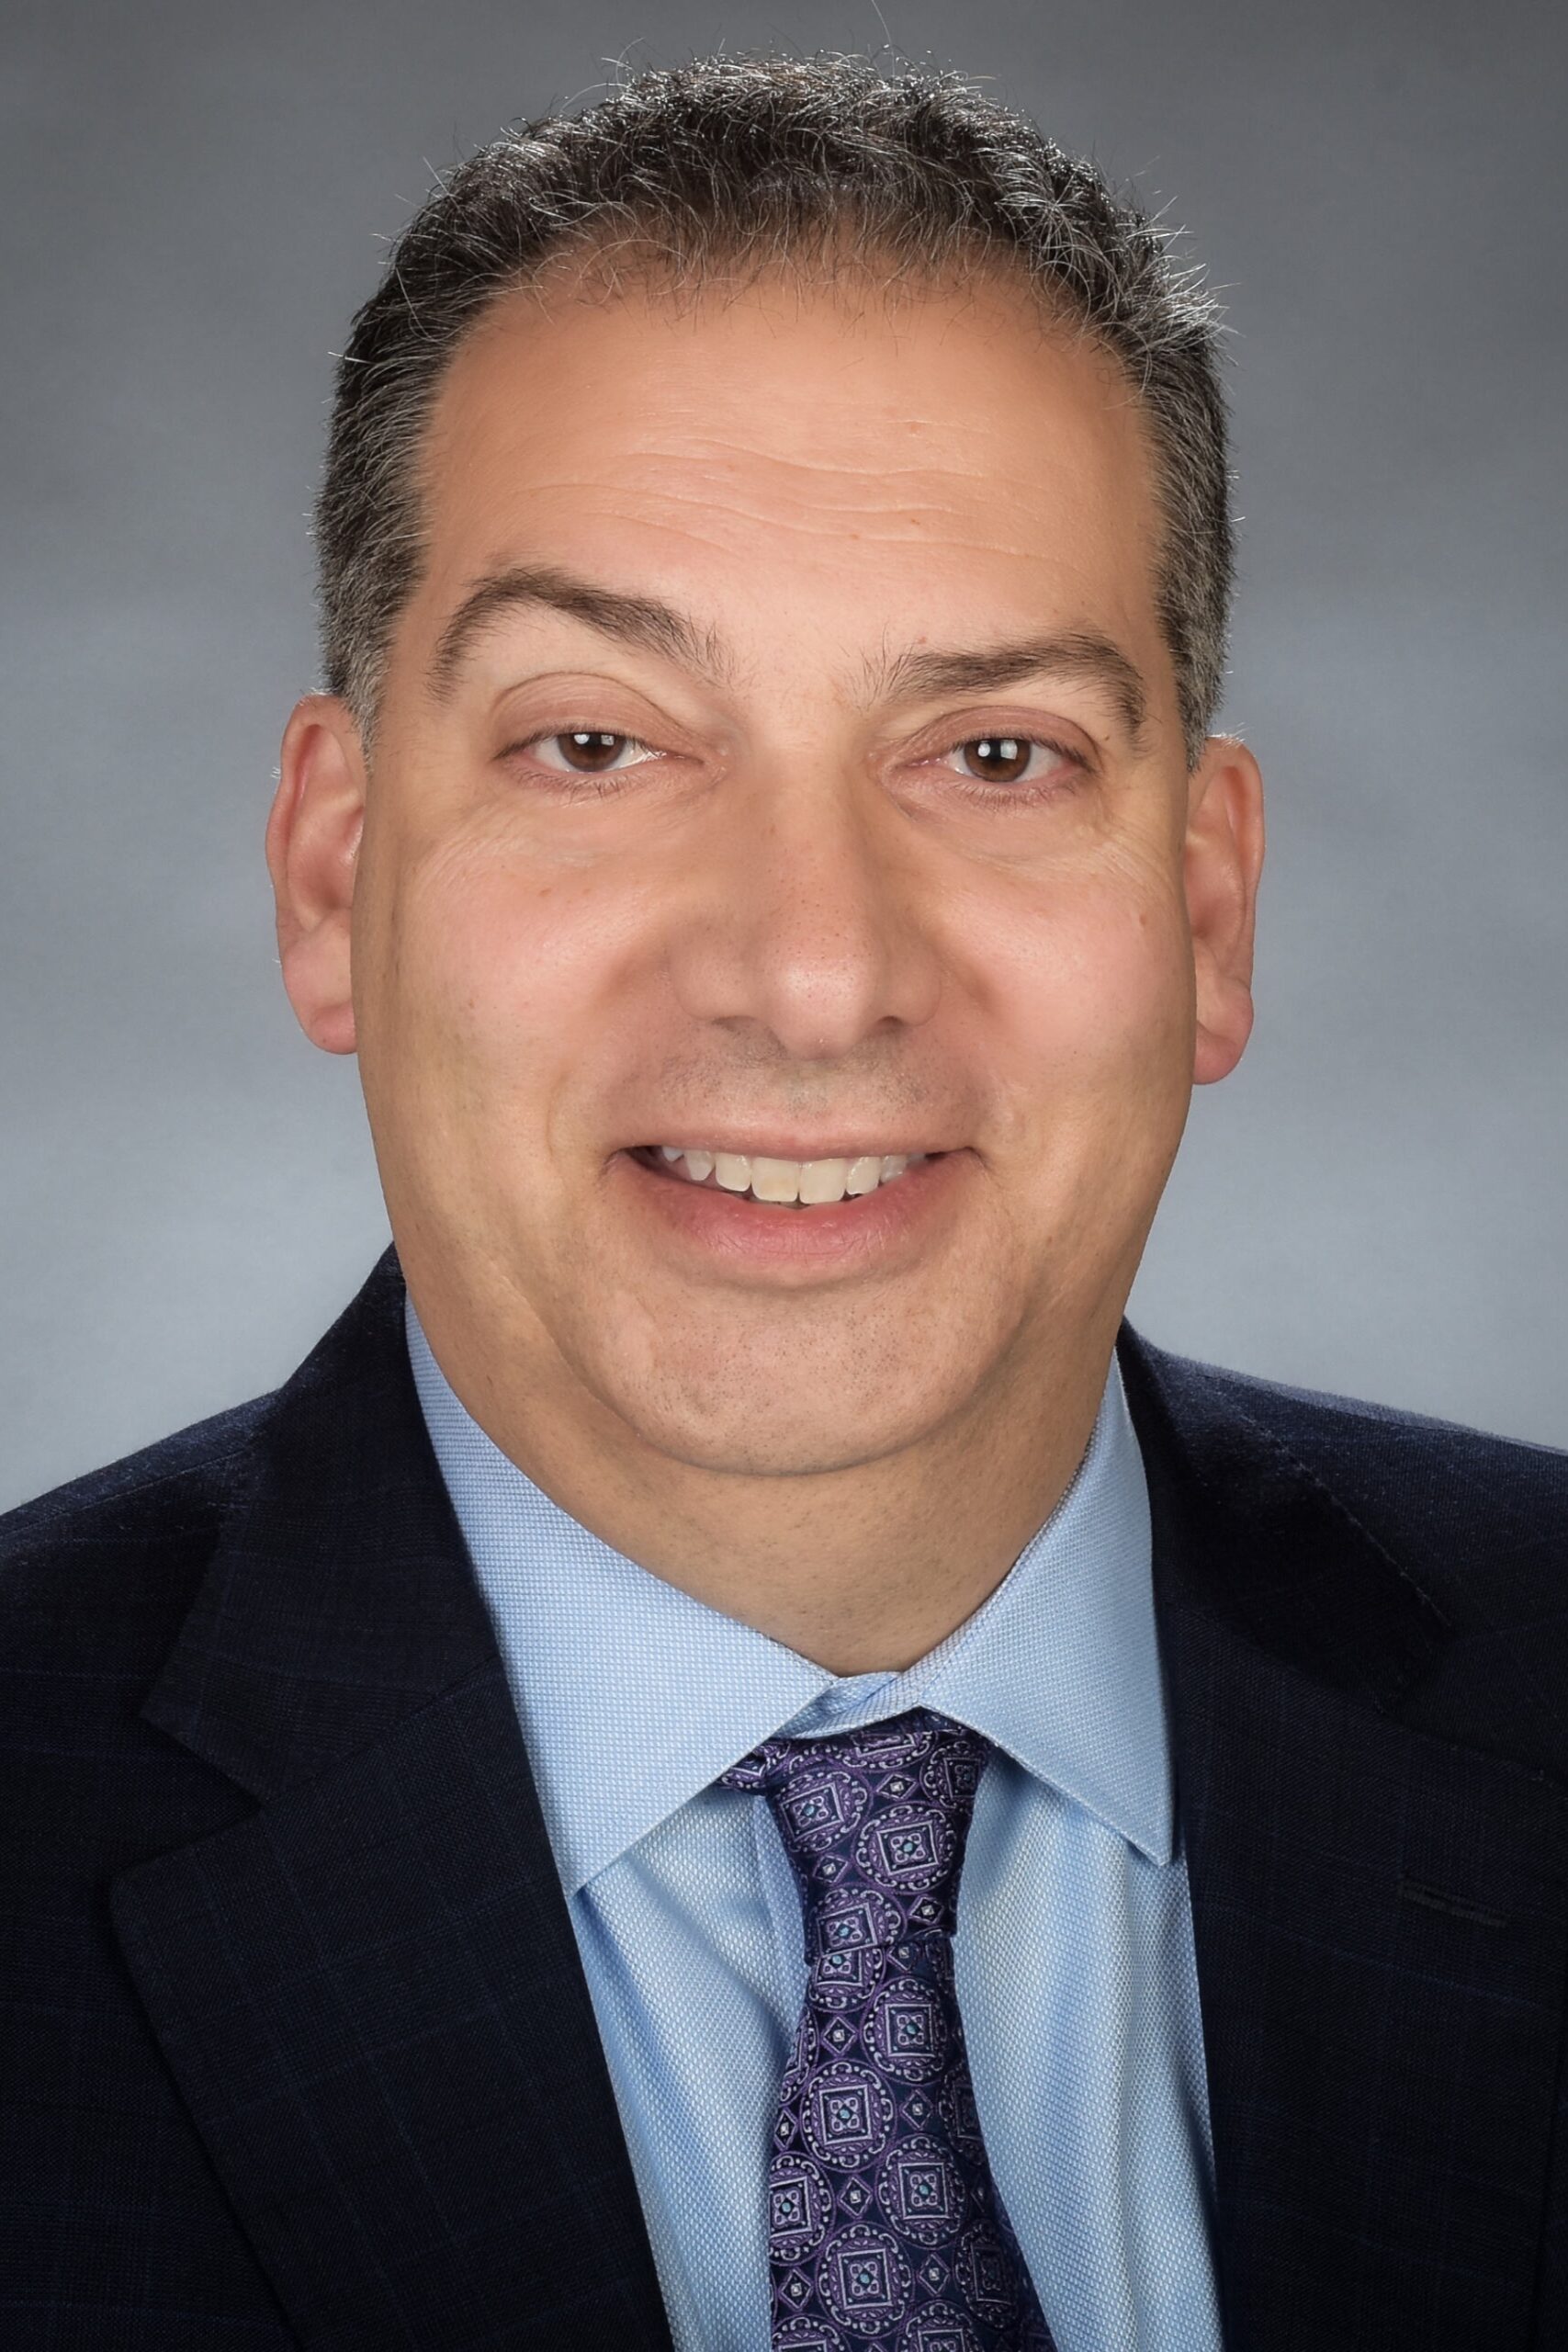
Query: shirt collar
[[632, 1696]]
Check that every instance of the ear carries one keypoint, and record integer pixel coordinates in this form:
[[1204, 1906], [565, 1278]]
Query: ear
[[1221, 860], [312, 848]]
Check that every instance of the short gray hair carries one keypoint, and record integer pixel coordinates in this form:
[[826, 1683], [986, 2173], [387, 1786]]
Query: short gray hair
[[774, 160]]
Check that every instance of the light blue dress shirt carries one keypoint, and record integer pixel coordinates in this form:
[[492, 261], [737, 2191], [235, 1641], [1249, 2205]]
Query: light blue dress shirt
[[1073, 1951]]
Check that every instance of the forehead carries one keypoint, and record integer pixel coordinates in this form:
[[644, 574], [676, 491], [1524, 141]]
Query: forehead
[[876, 455]]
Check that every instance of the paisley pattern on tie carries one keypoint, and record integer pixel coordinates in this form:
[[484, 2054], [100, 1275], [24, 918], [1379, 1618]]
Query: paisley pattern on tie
[[885, 2229]]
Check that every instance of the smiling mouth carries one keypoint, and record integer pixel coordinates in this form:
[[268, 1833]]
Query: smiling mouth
[[799, 1184]]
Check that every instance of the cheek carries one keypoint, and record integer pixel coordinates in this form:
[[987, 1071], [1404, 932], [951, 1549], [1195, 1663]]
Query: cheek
[[1091, 985], [500, 967]]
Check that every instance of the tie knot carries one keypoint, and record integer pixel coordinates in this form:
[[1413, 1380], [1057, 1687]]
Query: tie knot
[[875, 1823]]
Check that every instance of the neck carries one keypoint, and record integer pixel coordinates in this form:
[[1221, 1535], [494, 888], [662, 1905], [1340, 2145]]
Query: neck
[[861, 1570]]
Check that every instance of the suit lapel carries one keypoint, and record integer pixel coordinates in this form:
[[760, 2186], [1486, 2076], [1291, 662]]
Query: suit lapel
[[1378, 1912], [369, 1990]]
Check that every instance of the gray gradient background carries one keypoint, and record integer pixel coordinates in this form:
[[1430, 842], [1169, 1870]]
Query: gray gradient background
[[197, 198]]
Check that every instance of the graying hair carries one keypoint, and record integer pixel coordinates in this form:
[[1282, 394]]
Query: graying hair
[[774, 160]]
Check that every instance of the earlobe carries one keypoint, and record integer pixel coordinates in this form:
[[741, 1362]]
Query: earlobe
[[312, 850], [1223, 861]]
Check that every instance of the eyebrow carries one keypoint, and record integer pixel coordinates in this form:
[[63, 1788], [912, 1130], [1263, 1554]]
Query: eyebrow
[[1084, 656]]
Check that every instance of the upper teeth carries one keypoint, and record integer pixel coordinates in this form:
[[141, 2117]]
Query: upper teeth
[[815, 1182]]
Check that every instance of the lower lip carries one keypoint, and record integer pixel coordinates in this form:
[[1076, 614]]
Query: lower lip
[[864, 1230]]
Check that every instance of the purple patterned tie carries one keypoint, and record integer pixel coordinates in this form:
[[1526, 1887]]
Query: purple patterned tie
[[885, 2227]]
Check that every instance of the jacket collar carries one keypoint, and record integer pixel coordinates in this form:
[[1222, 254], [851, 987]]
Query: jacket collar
[[339, 1602]]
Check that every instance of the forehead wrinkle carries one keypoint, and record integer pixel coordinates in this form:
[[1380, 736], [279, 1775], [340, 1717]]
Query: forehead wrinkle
[[875, 475], [876, 465], [889, 528]]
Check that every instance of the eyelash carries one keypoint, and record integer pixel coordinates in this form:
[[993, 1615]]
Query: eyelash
[[579, 785]]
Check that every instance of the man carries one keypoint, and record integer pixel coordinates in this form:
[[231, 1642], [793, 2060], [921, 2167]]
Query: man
[[735, 1761]]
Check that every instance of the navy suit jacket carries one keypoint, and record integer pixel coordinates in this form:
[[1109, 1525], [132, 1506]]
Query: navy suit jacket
[[298, 2048]]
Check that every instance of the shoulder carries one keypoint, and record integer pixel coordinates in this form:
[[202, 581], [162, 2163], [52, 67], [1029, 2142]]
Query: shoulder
[[1476, 1520], [126, 1542], [1413, 1464], [1447, 1481]]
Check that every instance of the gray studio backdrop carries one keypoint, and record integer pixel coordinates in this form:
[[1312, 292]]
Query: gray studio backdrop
[[197, 199]]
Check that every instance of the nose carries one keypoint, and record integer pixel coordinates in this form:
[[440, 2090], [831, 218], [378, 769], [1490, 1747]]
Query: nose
[[805, 917]]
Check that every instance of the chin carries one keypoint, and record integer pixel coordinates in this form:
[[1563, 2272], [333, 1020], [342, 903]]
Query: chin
[[752, 1430], [746, 1453]]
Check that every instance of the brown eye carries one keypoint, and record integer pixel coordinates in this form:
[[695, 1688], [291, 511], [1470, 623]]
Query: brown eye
[[590, 750], [997, 759]]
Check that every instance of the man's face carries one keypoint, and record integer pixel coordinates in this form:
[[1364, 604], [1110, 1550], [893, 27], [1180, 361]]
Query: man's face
[[785, 879]]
